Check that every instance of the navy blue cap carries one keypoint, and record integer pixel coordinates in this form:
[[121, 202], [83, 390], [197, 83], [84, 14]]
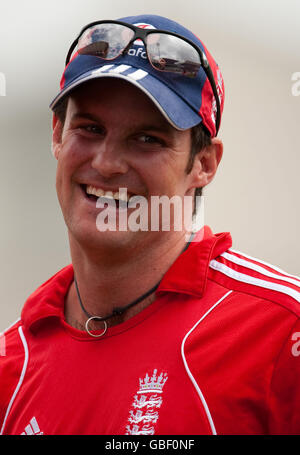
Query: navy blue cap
[[184, 101]]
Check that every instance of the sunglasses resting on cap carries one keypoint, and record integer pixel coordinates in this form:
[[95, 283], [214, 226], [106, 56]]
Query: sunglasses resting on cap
[[162, 58]]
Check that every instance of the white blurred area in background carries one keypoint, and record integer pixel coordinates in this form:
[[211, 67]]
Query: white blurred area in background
[[255, 194]]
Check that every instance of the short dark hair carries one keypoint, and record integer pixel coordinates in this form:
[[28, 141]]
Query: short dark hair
[[200, 139], [61, 109]]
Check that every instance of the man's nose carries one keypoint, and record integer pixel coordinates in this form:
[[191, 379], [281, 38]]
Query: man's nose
[[110, 158]]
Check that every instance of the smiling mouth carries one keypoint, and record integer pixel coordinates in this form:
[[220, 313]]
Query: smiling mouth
[[120, 197]]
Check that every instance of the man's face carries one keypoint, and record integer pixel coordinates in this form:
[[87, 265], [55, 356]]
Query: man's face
[[114, 137]]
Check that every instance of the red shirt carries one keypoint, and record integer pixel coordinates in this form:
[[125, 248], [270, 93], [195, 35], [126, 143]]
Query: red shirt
[[217, 352]]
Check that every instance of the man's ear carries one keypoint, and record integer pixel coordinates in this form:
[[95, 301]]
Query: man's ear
[[206, 163], [57, 128]]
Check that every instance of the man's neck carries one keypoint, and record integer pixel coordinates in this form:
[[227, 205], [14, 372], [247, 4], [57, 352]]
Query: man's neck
[[110, 279]]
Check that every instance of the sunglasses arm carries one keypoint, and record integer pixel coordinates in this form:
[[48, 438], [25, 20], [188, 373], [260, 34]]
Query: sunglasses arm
[[211, 79]]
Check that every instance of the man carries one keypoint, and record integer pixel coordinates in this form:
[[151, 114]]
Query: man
[[149, 330]]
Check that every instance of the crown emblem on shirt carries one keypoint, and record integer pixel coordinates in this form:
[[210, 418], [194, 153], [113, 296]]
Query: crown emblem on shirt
[[154, 384]]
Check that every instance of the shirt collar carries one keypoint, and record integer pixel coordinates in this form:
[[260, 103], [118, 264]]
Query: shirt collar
[[188, 275]]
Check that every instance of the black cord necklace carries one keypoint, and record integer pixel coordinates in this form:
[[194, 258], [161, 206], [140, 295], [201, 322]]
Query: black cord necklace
[[118, 310]]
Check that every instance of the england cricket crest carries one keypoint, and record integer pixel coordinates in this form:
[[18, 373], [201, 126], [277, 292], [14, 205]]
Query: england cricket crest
[[144, 413]]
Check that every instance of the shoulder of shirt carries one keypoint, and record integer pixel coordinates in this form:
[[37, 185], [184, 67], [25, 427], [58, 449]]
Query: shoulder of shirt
[[242, 273]]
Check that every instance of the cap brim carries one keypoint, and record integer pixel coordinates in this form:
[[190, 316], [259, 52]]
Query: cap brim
[[173, 107]]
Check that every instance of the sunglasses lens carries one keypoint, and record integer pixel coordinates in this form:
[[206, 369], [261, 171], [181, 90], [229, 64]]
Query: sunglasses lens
[[172, 54], [106, 40]]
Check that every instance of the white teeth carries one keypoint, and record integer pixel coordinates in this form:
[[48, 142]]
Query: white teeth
[[122, 196], [95, 191], [108, 194]]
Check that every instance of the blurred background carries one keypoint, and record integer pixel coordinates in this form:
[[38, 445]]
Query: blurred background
[[255, 195]]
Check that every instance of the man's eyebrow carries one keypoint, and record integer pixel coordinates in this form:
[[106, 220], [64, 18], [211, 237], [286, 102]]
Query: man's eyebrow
[[85, 115], [159, 127], [162, 127]]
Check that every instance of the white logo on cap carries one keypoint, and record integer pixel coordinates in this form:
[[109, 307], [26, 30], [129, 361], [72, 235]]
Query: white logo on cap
[[133, 73]]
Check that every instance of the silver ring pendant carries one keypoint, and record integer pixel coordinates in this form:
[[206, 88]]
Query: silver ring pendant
[[92, 334]]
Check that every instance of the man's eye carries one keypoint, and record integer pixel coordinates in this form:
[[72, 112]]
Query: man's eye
[[94, 129], [149, 139]]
